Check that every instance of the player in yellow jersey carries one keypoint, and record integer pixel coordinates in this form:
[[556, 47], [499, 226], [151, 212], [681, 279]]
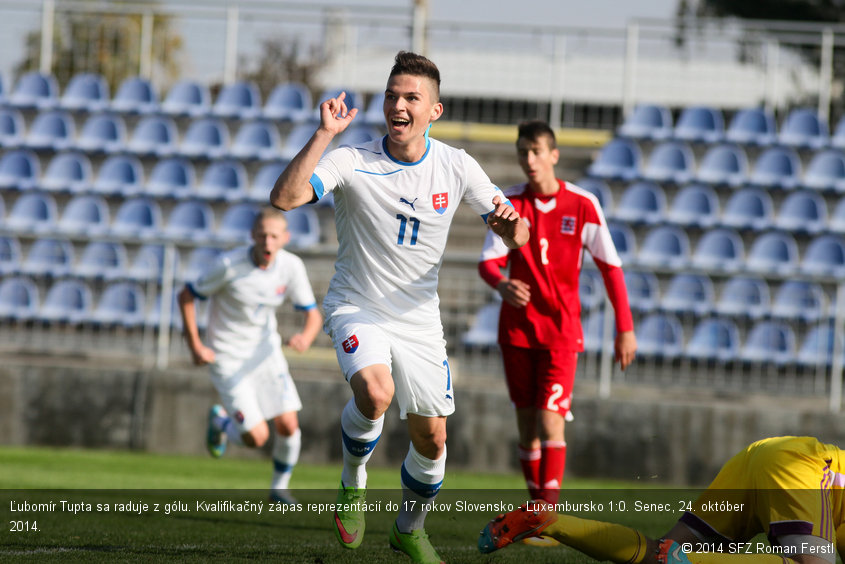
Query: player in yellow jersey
[[790, 488]]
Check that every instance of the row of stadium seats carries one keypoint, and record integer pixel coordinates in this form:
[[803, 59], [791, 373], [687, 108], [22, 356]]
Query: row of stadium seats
[[715, 338], [123, 175], [722, 164], [239, 100], [141, 218], [721, 250], [698, 205], [158, 136], [801, 128]]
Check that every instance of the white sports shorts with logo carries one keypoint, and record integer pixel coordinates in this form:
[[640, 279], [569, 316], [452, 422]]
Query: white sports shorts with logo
[[416, 358], [255, 392]]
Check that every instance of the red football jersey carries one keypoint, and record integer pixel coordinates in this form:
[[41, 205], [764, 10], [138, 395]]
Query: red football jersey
[[561, 226]]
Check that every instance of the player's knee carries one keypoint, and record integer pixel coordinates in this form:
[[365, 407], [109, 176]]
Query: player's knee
[[256, 437], [286, 424], [373, 400]]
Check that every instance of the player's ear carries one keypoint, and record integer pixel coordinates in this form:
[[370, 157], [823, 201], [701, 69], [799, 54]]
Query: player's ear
[[436, 111], [555, 154]]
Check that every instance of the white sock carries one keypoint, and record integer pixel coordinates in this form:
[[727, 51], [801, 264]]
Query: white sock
[[360, 436], [421, 481], [285, 456]]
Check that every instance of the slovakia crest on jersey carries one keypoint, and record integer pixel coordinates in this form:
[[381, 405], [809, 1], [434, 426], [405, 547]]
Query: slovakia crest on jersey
[[440, 202], [350, 345], [567, 225]]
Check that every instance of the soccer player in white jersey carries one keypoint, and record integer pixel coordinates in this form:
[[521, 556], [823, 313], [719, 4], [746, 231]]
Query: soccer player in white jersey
[[394, 201], [246, 285]]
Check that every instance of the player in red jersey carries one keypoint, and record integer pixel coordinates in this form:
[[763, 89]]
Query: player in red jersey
[[540, 331]]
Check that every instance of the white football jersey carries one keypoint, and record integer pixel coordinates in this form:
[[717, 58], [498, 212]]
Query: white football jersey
[[242, 313], [392, 222]]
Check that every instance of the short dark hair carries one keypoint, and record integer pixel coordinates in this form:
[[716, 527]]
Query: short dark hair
[[534, 129], [416, 65]]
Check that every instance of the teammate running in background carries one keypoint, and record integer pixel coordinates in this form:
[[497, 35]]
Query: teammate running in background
[[540, 331], [244, 350], [394, 201]]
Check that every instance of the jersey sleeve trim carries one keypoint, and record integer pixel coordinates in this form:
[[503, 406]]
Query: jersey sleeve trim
[[317, 185], [507, 202], [305, 307], [193, 291]]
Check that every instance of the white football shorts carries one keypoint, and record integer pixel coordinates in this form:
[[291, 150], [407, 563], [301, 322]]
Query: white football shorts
[[254, 394], [416, 359]]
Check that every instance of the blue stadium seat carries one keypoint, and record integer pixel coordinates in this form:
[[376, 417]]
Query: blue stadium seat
[[121, 304], [484, 329], [641, 202], [19, 170], [826, 171], [137, 217], [724, 164], [304, 227], [236, 224], [777, 167], [190, 220], [647, 121], [102, 133], [240, 99], [187, 98], [10, 255], [749, 208], [51, 130], [619, 159], [670, 161], [290, 101], [264, 180], [32, 212], [714, 339], [643, 290], [773, 252], [624, 241], [154, 136], [171, 178], [817, 348], [358, 135], [591, 289], [374, 115], [223, 180], [104, 260], [719, 250], [837, 138], [148, 264], [120, 174], [752, 126], [87, 92], [600, 190], [799, 300], [205, 138], [85, 214], [197, 262], [688, 293], [296, 140], [67, 301], [769, 342], [35, 90], [49, 257], [135, 95], [660, 335], [67, 172], [744, 296], [700, 124], [664, 246], [695, 205], [19, 298], [825, 256], [593, 329], [804, 128], [836, 221], [12, 128], [258, 140], [803, 211]]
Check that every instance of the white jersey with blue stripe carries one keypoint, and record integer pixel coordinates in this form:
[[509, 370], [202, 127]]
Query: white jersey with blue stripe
[[393, 220]]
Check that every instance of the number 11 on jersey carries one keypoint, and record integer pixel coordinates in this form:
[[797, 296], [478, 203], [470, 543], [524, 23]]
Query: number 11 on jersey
[[415, 229]]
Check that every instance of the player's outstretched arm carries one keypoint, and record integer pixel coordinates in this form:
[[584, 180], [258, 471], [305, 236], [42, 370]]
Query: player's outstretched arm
[[505, 222], [293, 189], [312, 327], [200, 353]]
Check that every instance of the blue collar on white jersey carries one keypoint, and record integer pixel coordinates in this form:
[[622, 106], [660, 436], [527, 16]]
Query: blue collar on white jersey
[[397, 161]]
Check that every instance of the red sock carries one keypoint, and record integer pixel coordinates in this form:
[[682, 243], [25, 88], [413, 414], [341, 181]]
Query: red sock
[[529, 459], [552, 464]]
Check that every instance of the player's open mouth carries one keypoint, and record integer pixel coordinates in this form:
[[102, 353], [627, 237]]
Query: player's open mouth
[[399, 122]]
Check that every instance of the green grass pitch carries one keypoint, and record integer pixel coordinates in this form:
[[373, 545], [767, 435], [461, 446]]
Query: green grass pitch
[[139, 507]]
